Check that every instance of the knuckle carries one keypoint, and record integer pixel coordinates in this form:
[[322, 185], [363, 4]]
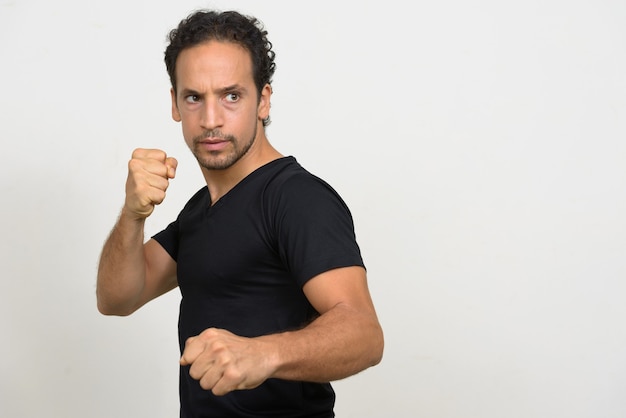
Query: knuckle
[[220, 349], [134, 164], [194, 374], [172, 162], [217, 391], [209, 333], [233, 374], [149, 154], [156, 154], [204, 384]]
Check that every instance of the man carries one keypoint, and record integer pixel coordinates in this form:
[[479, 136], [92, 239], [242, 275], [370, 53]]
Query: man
[[275, 302]]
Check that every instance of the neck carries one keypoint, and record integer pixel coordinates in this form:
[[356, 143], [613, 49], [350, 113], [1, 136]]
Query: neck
[[220, 182]]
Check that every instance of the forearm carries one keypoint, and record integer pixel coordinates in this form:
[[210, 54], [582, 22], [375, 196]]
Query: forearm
[[121, 272], [338, 344]]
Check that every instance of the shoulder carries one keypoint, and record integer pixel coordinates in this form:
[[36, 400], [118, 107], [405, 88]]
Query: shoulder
[[293, 185], [312, 224], [191, 212], [198, 198], [196, 203]]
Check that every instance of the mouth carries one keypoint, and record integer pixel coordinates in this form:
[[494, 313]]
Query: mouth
[[212, 143]]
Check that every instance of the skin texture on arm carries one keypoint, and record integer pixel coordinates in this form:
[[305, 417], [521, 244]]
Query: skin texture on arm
[[345, 339], [130, 273]]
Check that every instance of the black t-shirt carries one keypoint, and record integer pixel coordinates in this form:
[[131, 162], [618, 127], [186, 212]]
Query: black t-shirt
[[241, 265]]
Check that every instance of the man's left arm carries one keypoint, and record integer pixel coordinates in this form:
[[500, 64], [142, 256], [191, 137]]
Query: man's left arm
[[345, 339]]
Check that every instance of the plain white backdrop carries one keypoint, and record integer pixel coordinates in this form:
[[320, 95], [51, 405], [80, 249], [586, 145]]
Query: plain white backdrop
[[480, 146]]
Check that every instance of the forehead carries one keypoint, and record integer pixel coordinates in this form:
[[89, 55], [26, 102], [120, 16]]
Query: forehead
[[213, 64]]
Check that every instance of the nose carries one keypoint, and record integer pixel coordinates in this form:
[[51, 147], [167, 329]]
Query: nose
[[212, 115]]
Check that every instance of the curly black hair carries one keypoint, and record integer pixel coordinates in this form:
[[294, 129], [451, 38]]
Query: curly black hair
[[230, 26]]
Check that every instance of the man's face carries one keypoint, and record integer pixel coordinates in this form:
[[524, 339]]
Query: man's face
[[217, 103]]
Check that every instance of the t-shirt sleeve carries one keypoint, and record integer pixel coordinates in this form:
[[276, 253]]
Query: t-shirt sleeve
[[168, 238], [315, 228]]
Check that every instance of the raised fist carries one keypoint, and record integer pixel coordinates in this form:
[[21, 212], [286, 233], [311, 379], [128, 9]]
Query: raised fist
[[149, 171]]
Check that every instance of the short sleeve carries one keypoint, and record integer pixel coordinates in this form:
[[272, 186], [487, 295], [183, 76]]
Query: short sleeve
[[168, 238], [314, 227]]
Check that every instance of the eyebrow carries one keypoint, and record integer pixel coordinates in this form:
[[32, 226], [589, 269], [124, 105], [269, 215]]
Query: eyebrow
[[223, 90], [234, 87]]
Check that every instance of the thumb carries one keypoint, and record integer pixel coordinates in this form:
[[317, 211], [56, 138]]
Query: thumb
[[171, 165]]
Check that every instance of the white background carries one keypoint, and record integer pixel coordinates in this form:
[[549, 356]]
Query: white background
[[480, 145]]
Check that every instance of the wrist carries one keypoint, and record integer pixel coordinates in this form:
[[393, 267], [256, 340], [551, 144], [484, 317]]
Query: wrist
[[129, 215], [272, 357]]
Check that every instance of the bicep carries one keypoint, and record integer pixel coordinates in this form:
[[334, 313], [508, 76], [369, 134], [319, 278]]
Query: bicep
[[341, 286], [160, 272]]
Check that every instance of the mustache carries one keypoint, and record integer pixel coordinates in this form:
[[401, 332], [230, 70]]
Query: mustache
[[213, 133]]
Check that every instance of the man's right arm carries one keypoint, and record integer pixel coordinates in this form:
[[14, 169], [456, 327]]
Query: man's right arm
[[132, 273]]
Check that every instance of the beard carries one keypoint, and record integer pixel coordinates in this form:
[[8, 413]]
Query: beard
[[222, 159]]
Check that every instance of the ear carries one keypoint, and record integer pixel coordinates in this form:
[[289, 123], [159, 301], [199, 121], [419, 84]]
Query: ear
[[264, 102], [175, 112]]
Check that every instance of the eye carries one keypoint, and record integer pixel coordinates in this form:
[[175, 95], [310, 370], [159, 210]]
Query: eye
[[232, 97], [192, 98]]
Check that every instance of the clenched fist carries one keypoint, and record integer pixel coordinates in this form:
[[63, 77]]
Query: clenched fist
[[149, 171], [222, 361]]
